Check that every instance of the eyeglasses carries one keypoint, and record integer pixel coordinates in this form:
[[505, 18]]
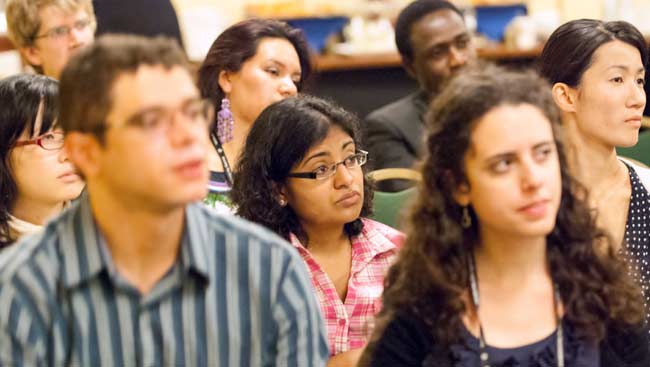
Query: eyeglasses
[[63, 31], [160, 119], [48, 141], [326, 171]]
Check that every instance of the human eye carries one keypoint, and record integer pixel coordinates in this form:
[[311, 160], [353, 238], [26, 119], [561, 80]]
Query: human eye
[[81, 24], [542, 153], [49, 137], [462, 42], [501, 165], [149, 120], [640, 81], [273, 71], [617, 79], [193, 110], [60, 31], [322, 171], [351, 161]]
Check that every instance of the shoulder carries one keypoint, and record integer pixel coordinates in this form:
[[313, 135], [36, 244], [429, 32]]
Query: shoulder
[[29, 272], [224, 229], [642, 172], [397, 110]]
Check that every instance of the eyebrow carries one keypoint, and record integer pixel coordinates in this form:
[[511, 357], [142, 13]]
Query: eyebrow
[[626, 68], [324, 154], [498, 156], [158, 107]]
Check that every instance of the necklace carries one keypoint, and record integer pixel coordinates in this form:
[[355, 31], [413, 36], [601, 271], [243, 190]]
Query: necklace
[[484, 357]]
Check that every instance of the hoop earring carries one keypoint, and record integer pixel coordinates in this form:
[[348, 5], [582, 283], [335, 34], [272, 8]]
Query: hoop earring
[[225, 122], [466, 220]]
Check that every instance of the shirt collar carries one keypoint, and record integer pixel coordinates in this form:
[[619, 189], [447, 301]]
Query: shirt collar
[[368, 244], [81, 245]]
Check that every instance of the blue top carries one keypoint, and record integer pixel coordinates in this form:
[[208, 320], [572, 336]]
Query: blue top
[[238, 295]]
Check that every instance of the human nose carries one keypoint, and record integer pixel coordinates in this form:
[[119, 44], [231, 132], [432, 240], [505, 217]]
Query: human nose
[[637, 97], [287, 87], [457, 57], [532, 174], [342, 176]]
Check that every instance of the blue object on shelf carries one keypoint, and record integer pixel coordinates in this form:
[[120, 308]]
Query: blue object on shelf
[[492, 20], [317, 30]]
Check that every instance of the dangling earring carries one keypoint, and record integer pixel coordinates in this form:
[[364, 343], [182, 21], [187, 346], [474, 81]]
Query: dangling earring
[[225, 122], [466, 221]]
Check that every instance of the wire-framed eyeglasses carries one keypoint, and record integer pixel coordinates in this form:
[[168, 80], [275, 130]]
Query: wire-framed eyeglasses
[[326, 171], [52, 140], [63, 31]]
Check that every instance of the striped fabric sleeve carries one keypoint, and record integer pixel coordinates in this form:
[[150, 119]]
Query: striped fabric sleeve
[[301, 339]]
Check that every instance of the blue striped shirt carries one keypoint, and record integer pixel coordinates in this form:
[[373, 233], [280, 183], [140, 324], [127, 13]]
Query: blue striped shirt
[[237, 295]]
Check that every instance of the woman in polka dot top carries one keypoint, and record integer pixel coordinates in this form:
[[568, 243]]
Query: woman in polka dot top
[[598, 72]]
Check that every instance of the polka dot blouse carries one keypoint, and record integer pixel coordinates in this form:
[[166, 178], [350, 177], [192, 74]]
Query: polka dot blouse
[[637, 239]]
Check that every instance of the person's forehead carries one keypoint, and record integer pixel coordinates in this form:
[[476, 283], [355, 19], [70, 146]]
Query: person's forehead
[[438, 27], [53, 15], [510, 128], [151, 86]]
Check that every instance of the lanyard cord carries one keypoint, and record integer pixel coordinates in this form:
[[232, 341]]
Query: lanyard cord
[[483, 354], [222, 155]]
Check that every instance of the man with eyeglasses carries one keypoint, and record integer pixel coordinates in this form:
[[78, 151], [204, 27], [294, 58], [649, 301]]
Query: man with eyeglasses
[[48, 32], [138, 272]]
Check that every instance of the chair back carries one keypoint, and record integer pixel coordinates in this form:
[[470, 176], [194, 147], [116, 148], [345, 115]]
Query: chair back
[[388, 206]]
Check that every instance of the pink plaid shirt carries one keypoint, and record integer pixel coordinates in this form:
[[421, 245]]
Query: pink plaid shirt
[[350, 323]]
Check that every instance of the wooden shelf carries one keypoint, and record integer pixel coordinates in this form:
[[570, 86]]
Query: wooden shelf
[[385, 60]]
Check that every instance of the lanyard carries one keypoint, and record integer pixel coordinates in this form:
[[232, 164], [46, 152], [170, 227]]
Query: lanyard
[[483, 354], [222, 156]]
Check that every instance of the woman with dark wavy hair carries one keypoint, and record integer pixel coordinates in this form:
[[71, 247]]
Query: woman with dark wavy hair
[[301, 174], [503, 265], [249, 66], [597, 72], [36, 177]]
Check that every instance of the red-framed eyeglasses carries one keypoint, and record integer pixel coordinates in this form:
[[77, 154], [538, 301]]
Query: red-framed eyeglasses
[[48, 141]]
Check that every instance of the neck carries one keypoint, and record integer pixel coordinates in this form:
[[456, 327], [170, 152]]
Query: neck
[[34, 212], [325, 238], [510, 261], [593, 164], [144, 242]]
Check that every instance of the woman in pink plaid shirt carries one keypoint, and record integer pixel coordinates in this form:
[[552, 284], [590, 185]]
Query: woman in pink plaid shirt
[[301, 175]]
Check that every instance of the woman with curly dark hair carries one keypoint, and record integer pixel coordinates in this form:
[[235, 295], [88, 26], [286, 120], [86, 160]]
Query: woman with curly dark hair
[[503, 265], [250, 65], [300, 174]]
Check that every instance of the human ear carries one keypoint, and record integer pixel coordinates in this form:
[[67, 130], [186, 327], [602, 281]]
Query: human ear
[[32, 55], [225, 82], [83, 150], [461, 194], [565, 97]]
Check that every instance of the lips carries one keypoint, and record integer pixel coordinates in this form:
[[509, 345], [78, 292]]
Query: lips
[[636, 120], [536, 209], [69, 176], [192, 168], [349, 199]]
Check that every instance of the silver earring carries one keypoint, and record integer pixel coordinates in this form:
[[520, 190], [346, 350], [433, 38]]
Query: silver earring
[[466, 221], [282, 202]]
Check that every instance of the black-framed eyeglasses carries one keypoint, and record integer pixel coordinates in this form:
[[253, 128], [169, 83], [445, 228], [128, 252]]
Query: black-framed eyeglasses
[[326, 171], [48, 141], [63, 31]]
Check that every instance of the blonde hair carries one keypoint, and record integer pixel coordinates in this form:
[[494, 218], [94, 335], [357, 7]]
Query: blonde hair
[[23, 22]]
